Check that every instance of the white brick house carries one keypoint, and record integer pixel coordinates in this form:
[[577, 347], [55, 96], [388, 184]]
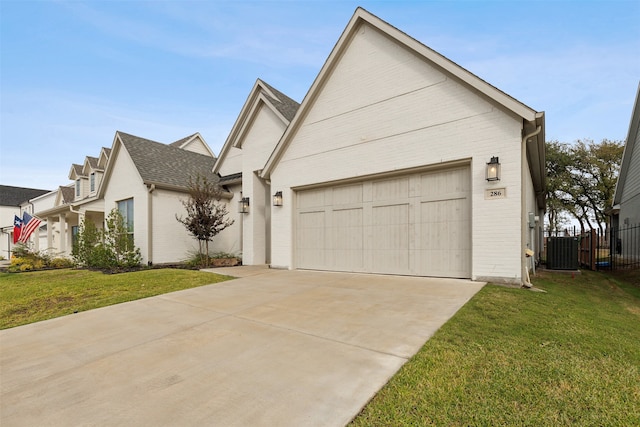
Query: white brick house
[[262, 121], [147, 181], [382, 168], [626, 199]]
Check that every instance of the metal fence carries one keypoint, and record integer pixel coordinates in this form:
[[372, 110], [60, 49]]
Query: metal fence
[[614, 249]]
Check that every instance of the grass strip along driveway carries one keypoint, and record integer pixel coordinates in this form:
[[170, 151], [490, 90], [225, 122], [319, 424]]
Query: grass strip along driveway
[[570, 356], [41, 295]]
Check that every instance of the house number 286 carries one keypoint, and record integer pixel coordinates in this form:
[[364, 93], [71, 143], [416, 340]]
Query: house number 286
[[495, 193]]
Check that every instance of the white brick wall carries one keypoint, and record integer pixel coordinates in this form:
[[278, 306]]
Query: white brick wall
[[383, 109], [257, 145], [232, 162], [125, 183]]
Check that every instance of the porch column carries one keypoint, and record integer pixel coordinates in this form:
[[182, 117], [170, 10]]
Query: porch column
[[36, 238], [49, 233], [63, 233]]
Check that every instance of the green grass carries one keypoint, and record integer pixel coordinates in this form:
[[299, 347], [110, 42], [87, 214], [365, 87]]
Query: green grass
[[570, 356], [35, 296]]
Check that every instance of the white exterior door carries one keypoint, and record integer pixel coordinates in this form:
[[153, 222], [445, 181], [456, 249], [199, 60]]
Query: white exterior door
[[414, 224]]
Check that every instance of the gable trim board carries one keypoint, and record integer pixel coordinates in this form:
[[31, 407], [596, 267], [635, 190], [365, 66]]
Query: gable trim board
[[633, 138], [358, 22], [384, 108], [260, 94]]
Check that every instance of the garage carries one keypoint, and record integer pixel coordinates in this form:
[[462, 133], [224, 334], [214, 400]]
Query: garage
[[412, 224]]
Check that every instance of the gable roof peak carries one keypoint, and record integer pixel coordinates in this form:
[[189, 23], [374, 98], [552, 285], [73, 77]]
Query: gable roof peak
[[164, 164], [284, 104], [181, 141], [445, 65]]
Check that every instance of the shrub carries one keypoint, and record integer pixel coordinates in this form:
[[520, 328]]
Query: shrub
[[107, 249], [26, 260], [197, 260], [61, 263]]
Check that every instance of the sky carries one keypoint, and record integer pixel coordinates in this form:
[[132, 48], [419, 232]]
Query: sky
[[72, 73]]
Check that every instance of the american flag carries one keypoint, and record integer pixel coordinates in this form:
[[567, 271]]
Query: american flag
[[29, 224]]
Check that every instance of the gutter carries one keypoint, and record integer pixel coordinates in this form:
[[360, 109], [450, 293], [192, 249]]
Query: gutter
[[149, 184], [150, 189], [524, 168]]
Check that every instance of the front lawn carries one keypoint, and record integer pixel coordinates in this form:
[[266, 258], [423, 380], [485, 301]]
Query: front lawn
[[570, 356], [35, 296]]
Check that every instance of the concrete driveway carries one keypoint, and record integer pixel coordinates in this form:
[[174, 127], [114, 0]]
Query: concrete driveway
[[271, 348]]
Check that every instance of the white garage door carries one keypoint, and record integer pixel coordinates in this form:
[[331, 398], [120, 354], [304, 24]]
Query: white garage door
[[417, 224]]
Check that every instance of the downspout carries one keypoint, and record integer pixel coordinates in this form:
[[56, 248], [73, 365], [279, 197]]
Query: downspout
[[150, 190], [524, 169]]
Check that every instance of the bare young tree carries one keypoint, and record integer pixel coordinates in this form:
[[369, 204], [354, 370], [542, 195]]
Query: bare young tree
[[206, 217]]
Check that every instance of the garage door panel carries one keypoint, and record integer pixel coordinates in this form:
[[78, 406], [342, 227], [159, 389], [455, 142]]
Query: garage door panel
[[447, 184], [348, 238], [311, 246], [445, 238], [390, 189], [348, 194], [415, 224], [311, 198], [390, 238]]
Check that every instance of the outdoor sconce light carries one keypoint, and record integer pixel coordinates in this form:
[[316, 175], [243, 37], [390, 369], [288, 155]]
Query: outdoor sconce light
[[277, 198], [493, 169], [243, 205]]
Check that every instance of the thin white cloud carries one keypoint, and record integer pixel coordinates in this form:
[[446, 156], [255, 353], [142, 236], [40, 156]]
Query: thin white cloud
[[213, 33]]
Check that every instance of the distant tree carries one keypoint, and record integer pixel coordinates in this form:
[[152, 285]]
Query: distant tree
[[206, 217], [581, 180]]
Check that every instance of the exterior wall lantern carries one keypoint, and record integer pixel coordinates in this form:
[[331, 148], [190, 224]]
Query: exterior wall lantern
[[277, 198], [493, 169], [243, 205]]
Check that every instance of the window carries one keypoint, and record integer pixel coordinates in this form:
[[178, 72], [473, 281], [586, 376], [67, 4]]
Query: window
[[78, 187], [125, 207], [74, 234], [93, 181]]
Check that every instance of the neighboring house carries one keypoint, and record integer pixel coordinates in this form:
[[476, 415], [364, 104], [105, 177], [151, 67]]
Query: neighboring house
[[382, 168], [255, 134], [626, 200], [74, 203], [146, 181], [38, 240], [11, 199]]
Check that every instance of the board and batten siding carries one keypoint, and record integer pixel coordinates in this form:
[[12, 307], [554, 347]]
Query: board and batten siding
[[385, 109], [630, 200]]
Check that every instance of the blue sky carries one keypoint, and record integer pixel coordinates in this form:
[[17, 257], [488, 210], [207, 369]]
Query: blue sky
[[74, 72]]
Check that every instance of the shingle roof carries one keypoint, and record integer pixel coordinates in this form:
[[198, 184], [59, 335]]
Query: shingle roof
[[107, 151], [13, 196], [93, 161], [229, 178], [283, 103], [166, 164], [179, 142], [68, 194], [77, 169]]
